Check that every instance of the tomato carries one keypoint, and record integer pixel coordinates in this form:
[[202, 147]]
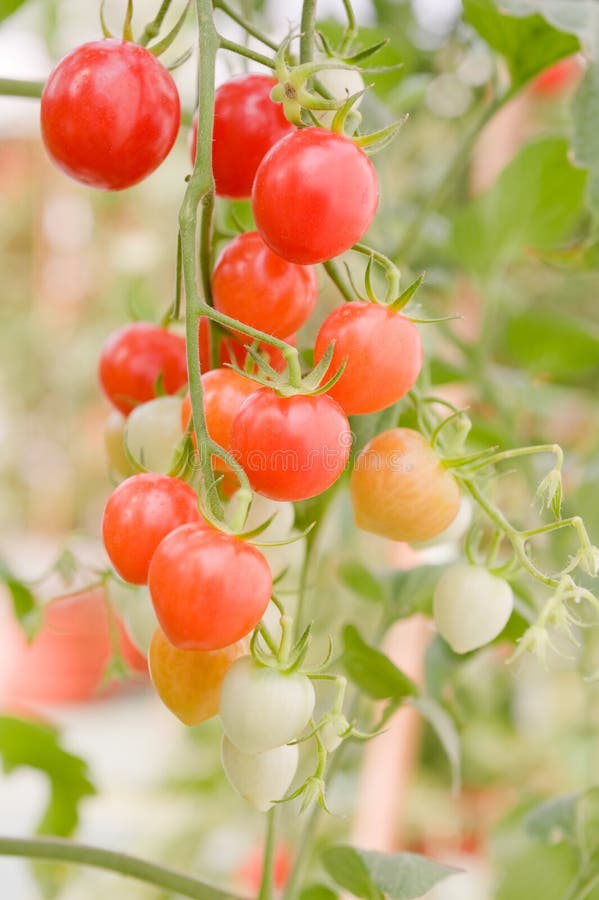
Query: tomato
[[314, 196], [133, 604], [335, 728], [255, 286], [471, 606], [262, 708], [67, 660], [250, 872], [133, 360], [189, 681], [209, 589], [114, 444], [382, 352], [558, 78], [139, 514], [234, 350], [110, 114], [400, 490], [224, 393], [341, 84], [153, 432], [261, 778], [247, 123], [291, 448]]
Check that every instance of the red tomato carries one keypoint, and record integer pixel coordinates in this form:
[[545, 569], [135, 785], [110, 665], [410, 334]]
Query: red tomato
[[110, 114], [246, 125], [314, 196], [558, 78], [382, 352], [224, 392], [140, 512], [67, 660], [291, 448], [134, 358], [250, 872], [209, 589], [234, 350], [252, 284]]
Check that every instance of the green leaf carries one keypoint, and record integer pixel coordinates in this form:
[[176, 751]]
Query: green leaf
[[372, 875], [372, 671], [358, 579], [8, 7], [26, 608], [573, 818], [535, 203], [317, 892], [440, 664], [444, 727], [36, 746], [412, 591], [528, 43], [580, 18], [585, 141], [552, 344]]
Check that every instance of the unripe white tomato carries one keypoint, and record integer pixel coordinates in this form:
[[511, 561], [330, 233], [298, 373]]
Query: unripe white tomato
[[471, 606], [262, 708], [135, 607], [260, 778], [114, 443], [341, 84], [153, 431]]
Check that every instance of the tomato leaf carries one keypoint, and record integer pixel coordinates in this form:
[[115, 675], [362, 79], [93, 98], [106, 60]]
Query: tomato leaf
[[535, 203], [573, 818], [25, 606], [553, 344], [358, 579], [444, 727], [372, 671], [8, 7], [36, 745], [372, 875], [529, 44], [317, 892], [412, 591], [581, 19], [585, 112]]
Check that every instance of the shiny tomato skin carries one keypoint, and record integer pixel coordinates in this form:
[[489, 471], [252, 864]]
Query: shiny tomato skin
[[139, 513], [67, 660], [291, 448], [110, 114], [314, 196], [252, 284], [233, 349], [400, 490], [189, 681], [209, 589], [382, 352], [247, 123], [134, 358]]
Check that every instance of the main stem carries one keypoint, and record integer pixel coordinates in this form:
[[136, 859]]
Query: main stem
[[308, 26], [121, 863]]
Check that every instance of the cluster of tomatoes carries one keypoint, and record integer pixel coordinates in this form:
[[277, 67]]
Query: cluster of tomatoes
[[110, 114]]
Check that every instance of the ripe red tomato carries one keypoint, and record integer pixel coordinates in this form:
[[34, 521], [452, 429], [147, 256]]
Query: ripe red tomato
[[382, 352], [140, 512], [110, 114], [246, 125], [558, 78], [314, 195], [189, 681], [209, 589], [400, 490], [250, 872], [254, 285], [67, 660], [224, 392], [291, 448], [134, 358], [233, 350]]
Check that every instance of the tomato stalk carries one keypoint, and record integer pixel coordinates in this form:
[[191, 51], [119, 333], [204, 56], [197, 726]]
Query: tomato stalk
[[247, 26], [152, 29], [267, 880], [308, 28], [14, 87]]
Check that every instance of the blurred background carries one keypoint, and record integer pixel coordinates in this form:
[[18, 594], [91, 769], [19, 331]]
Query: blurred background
[[77, 264]]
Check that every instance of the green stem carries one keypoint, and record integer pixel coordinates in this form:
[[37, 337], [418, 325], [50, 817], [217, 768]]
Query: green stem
[[267, 880], [152, 29], [392, 273], [234, 47], [351, 32], [522, 451], [247, 26], [334, 272], [12, 87], [67, 851], [303, 578], [308, 27]]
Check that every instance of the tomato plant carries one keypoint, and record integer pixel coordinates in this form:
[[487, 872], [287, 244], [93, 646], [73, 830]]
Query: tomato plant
[[138, 360], [300, 200], [110, 114], [233, 350]]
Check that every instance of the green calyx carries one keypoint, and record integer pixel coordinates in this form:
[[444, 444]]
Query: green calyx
[[290, 383]]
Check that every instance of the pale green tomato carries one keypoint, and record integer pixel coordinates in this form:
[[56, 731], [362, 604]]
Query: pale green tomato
[[260, 778], [471, 607], [262, 509], [153, 433], [114, 443], [262, 708], [134, 606], [341, 84]]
